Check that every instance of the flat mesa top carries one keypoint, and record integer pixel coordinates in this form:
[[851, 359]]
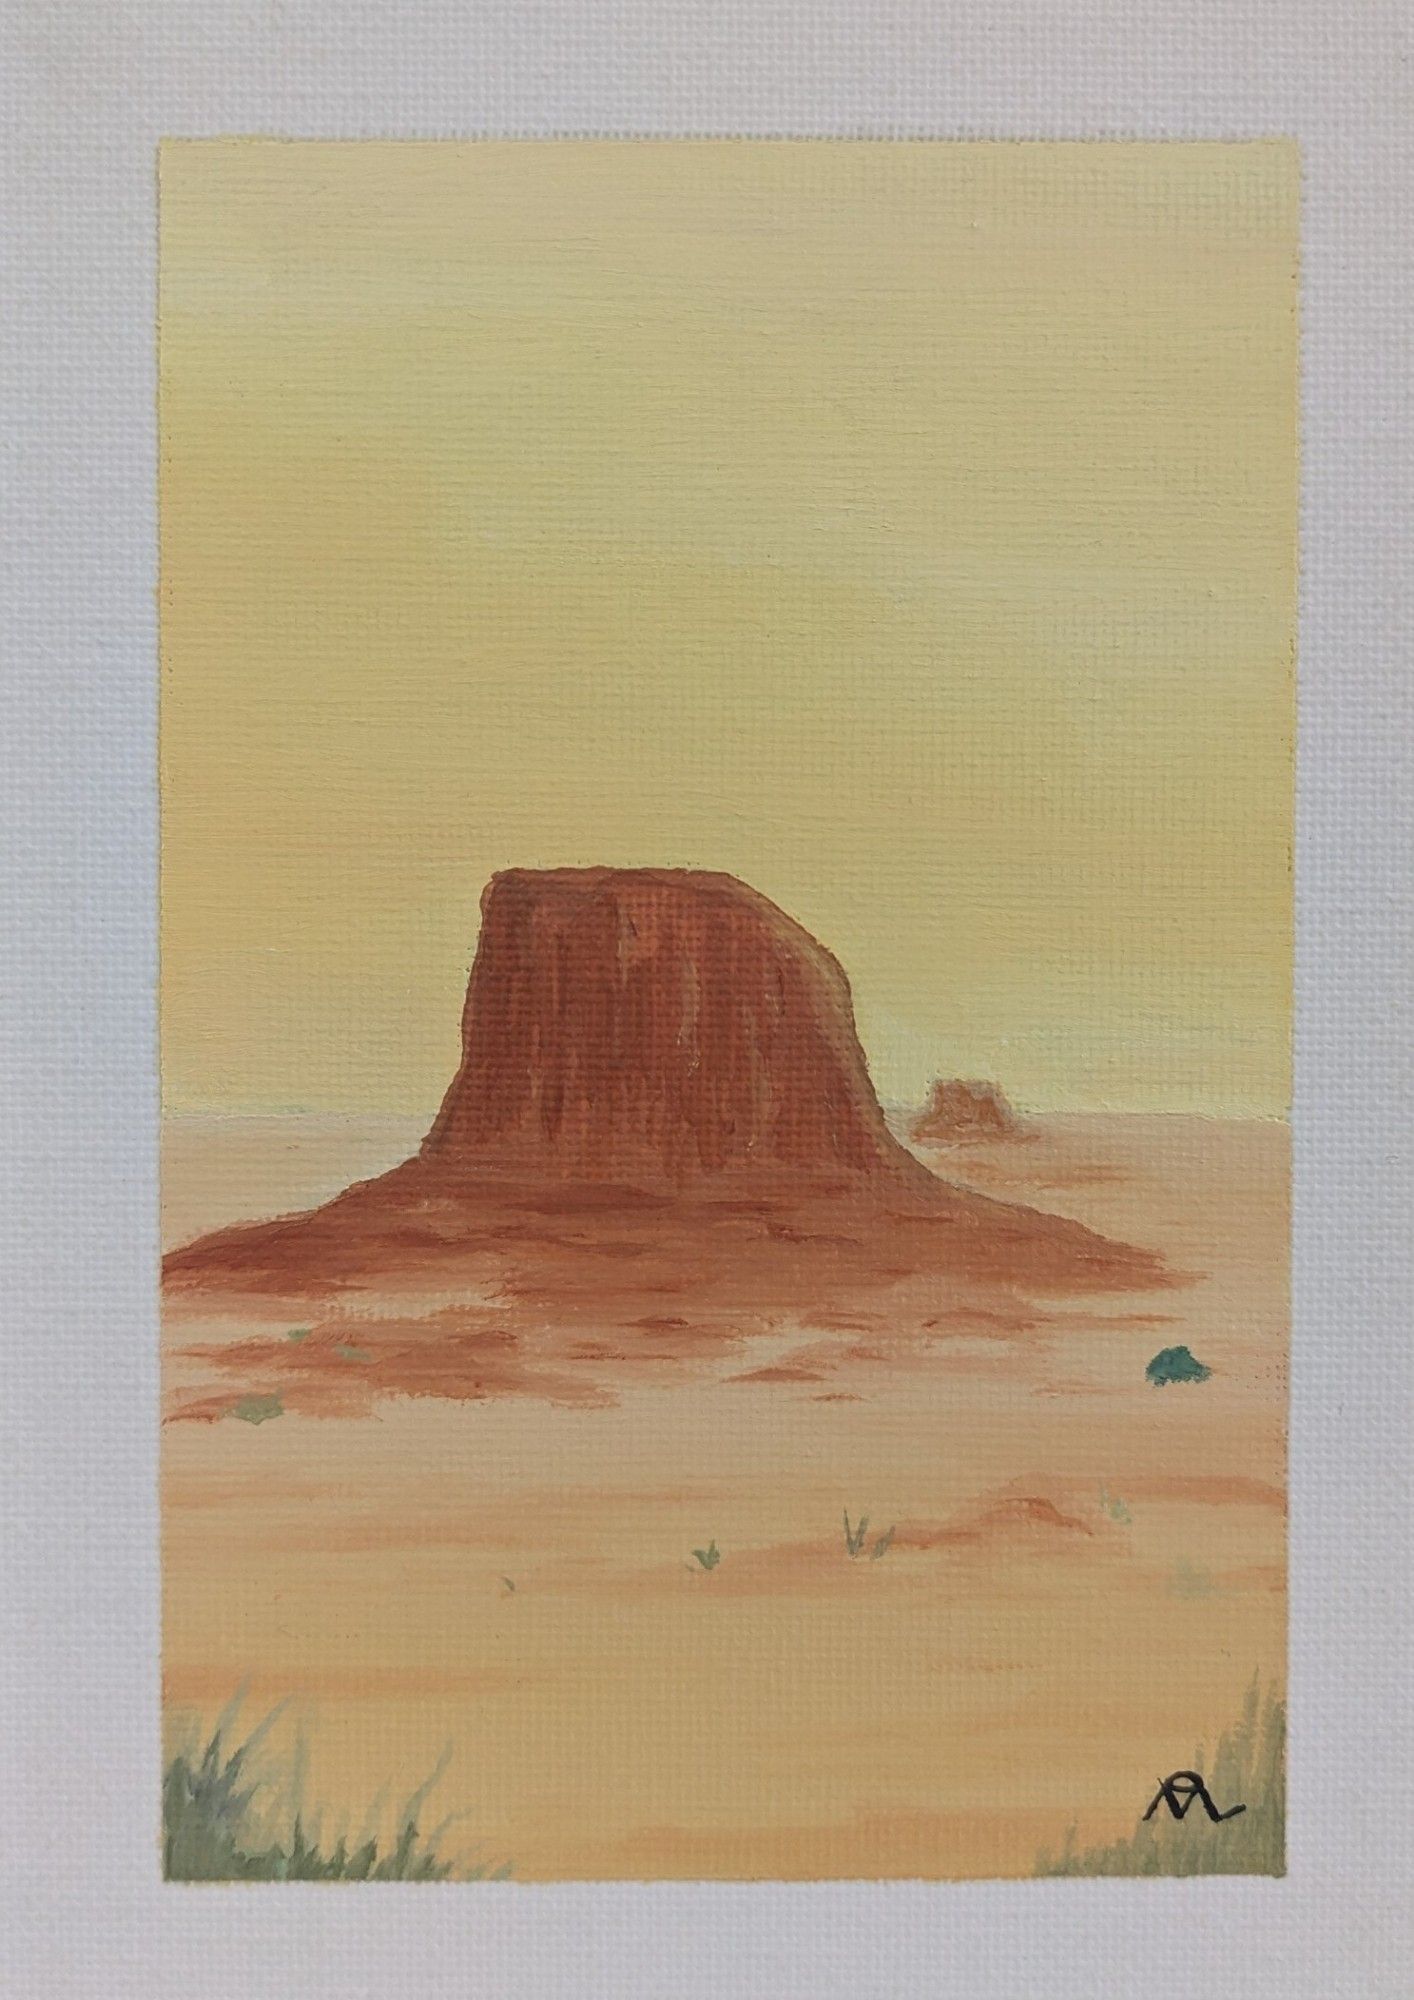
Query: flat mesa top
[[559, 894], [694, 881]]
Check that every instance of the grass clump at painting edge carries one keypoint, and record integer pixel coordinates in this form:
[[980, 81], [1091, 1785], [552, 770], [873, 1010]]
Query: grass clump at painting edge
[[1247, 1768], [221, 1823]]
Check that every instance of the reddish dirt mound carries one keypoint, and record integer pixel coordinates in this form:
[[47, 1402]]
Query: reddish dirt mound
[[662, 1099], [1027, 1515], [342, 1369], [958, 1110]]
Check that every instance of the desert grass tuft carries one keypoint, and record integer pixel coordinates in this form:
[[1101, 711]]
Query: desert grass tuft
[[1248, 1768], [855, 1538], [217, 1829]]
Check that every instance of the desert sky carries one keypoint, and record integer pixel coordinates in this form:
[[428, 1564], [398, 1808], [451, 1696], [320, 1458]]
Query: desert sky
[[908, 529]]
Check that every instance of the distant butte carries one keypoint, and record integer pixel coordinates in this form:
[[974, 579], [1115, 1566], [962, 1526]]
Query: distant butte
[[661, 1095], [959, 1109]]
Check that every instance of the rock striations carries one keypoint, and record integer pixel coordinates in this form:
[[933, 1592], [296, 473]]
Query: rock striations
[[650, 1027]]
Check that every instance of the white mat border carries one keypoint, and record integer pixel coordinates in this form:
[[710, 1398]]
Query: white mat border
[[90, 87]]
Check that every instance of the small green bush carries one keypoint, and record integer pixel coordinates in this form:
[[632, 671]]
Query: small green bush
[[257, 1409], [1175, 1364]]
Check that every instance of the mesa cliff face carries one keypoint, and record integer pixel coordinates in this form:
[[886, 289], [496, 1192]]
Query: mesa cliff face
[[655, 1026]]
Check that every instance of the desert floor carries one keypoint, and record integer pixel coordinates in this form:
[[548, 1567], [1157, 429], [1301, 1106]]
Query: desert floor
[[515, 1578]]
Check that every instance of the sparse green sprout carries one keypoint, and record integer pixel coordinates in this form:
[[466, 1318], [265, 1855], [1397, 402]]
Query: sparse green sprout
[[708, 1557], [299, 1333], [854, 1537], [346, 1353], [1190, 1582], [257, 1409], [1175, 1364], [1114, 1507]]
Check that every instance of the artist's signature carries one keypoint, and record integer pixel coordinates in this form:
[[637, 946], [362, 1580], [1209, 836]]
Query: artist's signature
[[1179, 1792]]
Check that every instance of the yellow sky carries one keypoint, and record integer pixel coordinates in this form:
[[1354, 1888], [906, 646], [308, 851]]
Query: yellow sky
[[907, 529]]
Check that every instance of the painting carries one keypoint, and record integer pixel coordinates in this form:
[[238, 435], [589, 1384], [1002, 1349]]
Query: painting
[[726, 772]]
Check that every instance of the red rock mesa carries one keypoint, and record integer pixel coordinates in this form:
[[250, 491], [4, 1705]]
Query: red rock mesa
[[661, 1094], [652, 1027]]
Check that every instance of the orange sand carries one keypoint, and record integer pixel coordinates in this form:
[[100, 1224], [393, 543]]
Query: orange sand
[[1016, 1662]]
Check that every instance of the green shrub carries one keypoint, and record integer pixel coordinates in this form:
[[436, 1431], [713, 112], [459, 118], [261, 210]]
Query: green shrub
[[1175, 1364], [257, 1409]]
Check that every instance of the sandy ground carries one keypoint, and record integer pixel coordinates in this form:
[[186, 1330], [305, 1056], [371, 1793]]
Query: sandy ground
[[515, 1578]]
